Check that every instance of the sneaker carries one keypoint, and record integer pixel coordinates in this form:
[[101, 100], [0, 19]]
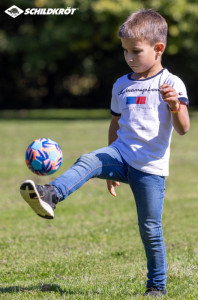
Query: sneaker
[[154, 292], [41, 198]]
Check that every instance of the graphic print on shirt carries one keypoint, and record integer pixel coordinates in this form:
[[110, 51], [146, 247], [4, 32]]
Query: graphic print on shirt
[[139, 96], [136, 100]]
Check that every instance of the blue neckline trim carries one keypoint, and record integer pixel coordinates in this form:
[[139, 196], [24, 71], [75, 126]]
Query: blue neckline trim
[[129, 76]]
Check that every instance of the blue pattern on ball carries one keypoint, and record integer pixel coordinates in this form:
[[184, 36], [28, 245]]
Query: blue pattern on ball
[[36, 145], [53, 155], [37, 165]]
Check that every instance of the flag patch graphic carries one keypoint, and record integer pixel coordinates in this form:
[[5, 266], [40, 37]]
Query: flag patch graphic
[[136, 100]]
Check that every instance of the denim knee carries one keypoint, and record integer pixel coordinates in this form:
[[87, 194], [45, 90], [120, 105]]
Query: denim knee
[[150, 232], [86, 159]]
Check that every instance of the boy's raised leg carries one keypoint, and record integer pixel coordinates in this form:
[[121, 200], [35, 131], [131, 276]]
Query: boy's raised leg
[[105, 163]]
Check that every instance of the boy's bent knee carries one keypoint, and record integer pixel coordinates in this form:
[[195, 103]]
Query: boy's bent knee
[[87, 159]]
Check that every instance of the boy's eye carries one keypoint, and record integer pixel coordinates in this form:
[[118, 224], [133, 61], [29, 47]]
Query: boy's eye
[[136, 51]]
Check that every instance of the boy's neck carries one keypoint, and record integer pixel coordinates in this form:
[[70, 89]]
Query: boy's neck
[[147, 74]]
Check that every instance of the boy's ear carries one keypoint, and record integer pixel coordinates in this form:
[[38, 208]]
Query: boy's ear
[[159, 48]]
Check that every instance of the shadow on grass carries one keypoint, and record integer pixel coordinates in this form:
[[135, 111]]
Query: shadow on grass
[[54, 288], [44, 288]]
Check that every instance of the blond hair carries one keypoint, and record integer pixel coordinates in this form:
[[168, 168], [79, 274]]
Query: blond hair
[[145, 24]]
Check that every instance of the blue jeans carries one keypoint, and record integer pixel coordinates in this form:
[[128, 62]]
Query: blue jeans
[[148, 190]]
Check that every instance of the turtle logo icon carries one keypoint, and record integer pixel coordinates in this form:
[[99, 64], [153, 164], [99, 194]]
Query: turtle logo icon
[[14, 11]]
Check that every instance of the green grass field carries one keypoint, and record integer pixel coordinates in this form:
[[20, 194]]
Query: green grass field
[[92, 249]]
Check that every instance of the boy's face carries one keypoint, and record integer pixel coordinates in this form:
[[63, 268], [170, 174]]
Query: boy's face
[[141, 57]]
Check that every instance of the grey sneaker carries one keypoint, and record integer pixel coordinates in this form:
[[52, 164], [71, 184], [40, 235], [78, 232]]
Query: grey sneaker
[[41, 198], [154, 292]]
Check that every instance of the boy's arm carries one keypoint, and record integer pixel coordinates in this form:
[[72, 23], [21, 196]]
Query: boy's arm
[[181, 121], [113, 128]]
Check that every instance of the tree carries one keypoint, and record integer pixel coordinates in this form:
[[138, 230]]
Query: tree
[[73, 60]]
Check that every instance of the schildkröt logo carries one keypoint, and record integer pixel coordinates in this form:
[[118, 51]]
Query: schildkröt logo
[[14, 11]]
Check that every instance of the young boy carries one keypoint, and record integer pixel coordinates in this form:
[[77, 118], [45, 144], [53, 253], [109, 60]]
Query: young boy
[[146, 105]]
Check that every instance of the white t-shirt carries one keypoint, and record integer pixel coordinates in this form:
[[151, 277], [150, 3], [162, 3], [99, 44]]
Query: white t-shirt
[[145, 125]]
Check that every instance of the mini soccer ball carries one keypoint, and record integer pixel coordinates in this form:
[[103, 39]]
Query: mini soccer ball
[[43, 157]]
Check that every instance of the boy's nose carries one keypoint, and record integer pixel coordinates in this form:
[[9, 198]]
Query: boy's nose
[[130, 61], [129, 57]]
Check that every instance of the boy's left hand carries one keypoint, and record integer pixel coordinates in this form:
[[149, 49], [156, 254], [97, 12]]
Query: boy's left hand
[[169, 95], [111, 184]]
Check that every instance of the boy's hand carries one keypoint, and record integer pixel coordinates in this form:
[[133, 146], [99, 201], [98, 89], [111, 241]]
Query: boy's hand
[[169, 95], [111, 187]]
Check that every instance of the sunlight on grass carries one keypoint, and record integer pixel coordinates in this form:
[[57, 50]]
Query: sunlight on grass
[[92, 250]]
